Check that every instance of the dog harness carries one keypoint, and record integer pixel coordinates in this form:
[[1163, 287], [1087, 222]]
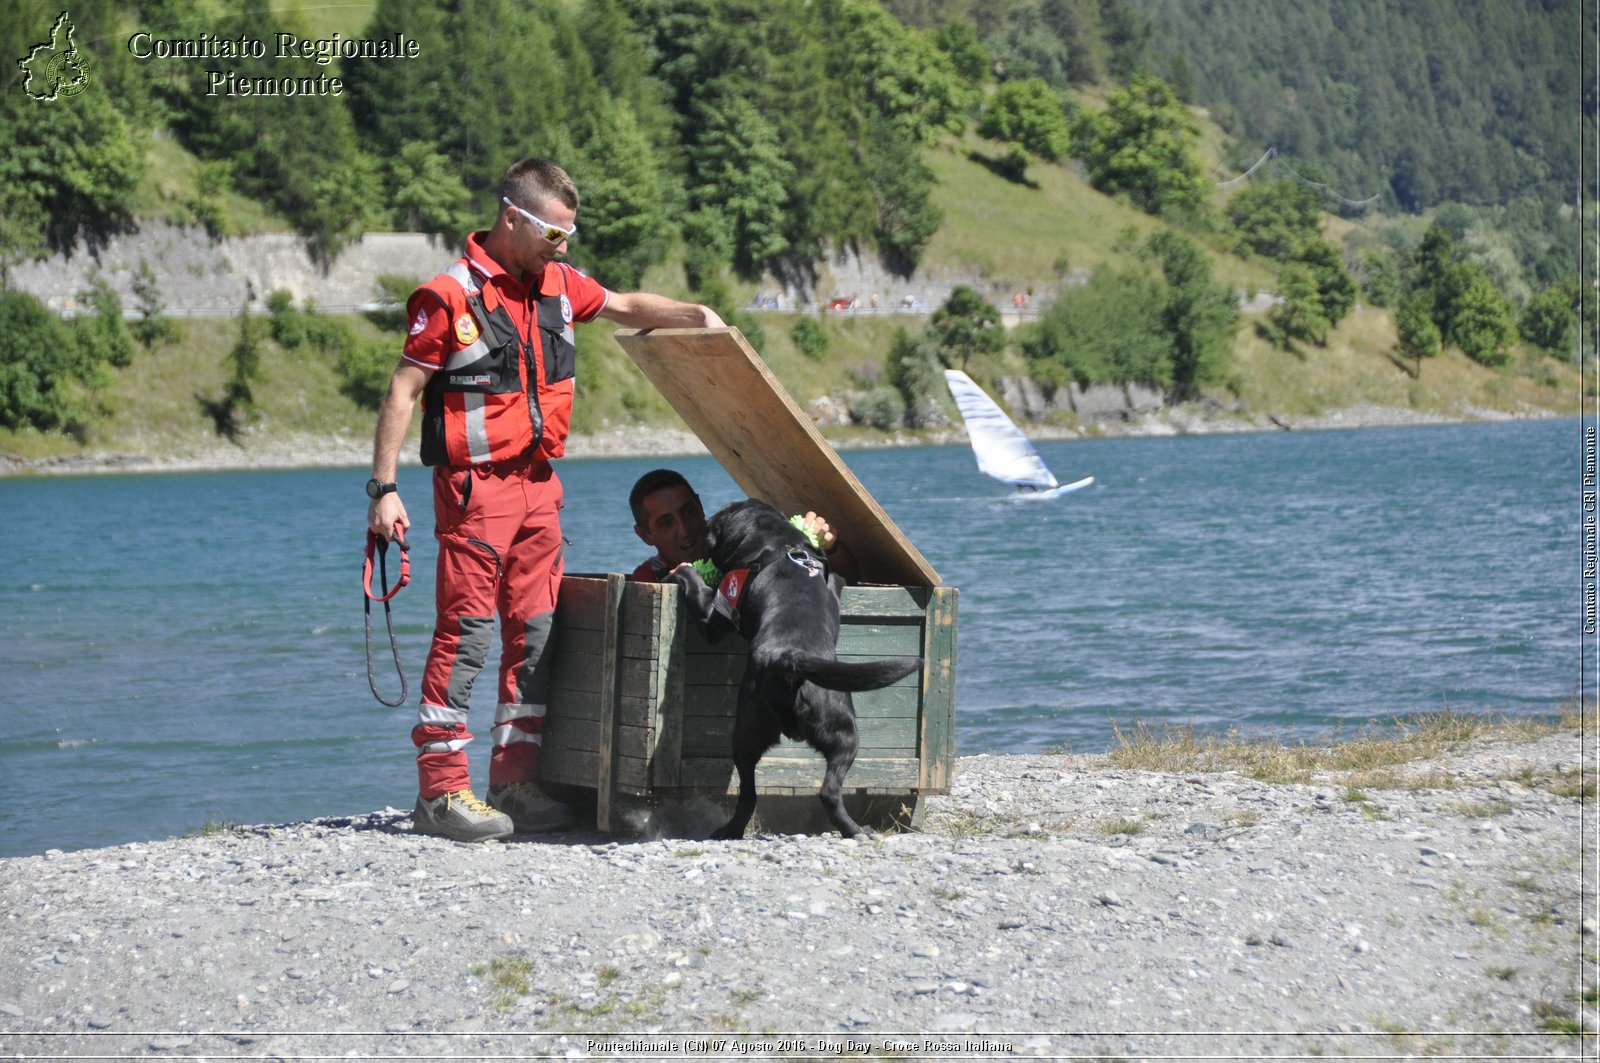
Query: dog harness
[[732, 586], [730, 592]]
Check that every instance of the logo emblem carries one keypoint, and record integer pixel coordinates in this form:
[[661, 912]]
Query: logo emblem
[[566, 309], [420, 323], [55, 68], [466, 330]]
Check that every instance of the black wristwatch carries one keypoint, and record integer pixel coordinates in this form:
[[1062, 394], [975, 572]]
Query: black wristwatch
[[378, 488]]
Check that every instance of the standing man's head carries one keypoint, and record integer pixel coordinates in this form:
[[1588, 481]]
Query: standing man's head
[[667, 515], [538, 214]]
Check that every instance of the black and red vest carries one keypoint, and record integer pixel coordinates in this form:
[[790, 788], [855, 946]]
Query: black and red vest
[[501, 394]]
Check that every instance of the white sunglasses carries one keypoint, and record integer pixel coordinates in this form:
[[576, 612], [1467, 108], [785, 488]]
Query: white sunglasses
[[554, 233]]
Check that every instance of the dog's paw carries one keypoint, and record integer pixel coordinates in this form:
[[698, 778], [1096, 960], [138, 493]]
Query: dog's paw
[[687, 576]]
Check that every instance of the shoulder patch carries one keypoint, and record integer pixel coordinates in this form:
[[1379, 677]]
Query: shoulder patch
[[420, 322]]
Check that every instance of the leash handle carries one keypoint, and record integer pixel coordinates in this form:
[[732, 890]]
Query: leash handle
[[377, 544]]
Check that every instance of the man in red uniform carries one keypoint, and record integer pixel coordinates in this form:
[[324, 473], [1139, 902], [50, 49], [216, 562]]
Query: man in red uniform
[[491, 355]]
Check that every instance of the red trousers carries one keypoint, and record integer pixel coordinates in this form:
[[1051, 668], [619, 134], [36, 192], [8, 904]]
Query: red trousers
[[500, 551]]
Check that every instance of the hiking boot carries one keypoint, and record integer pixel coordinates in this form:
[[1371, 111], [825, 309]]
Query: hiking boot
[[459, 816], [529, 808]]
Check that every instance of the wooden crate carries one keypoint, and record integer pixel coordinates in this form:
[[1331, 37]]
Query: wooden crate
[[641, 705]]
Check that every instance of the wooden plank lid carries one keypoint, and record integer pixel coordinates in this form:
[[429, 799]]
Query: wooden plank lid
[[730, 399]]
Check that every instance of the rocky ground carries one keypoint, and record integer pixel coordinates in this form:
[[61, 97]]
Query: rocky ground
[[1051, 906]]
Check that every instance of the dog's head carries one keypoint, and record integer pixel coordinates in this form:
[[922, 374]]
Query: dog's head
[[742, 534]]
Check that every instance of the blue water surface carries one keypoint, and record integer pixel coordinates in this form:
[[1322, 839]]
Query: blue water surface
[[185, 649]]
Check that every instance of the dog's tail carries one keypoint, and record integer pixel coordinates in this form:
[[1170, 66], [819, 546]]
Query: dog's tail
[[849, 676]]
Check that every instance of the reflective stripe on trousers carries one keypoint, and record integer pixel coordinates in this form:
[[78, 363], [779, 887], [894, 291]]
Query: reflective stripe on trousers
[[500, 553]]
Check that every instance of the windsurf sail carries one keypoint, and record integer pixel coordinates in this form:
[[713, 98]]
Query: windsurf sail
[[1003, 452]]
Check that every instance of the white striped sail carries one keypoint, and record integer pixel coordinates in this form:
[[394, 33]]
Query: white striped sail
[[1002, 450]]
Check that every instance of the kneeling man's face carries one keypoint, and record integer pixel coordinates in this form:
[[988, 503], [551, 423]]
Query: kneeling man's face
[[674, 524]]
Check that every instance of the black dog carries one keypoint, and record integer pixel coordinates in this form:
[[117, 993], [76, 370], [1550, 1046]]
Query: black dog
[[777, 592]]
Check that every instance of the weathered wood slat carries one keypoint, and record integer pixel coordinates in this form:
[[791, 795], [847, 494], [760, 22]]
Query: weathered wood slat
[[877, 737], [939, 692], [606, 779], [803, 775], [863, 601]]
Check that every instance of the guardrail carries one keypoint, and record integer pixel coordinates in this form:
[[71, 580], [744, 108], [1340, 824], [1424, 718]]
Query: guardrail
[[254, 309]]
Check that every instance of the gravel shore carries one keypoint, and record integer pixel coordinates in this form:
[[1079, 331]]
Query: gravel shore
[[299, 450], [1053, 906]]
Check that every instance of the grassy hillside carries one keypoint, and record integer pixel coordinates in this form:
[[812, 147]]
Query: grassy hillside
[[997, 236]]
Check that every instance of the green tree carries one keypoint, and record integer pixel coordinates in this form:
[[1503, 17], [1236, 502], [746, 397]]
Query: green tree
[[237, 406], [1061, 41], [1481, 324], [1143, 145], [1127, 36], [809, 336], [343, 204], [1468, 102], [1436, 273], [914, 371], [286, 324], [102, 334], [848, 96], [1109, 330], [1029, 114], [966, 325], [153, 326], [1377, 275], [902, 192], [959, 40], [297, 153], [1419, 336], [491, 83], [895, 72], [1335, 287], [1299, 316], [1276, 218], [1548, 321], [426, 194], [1465, 306], [740, 173], [39, 368], [1199, 316], [626, 223], [70, 172]]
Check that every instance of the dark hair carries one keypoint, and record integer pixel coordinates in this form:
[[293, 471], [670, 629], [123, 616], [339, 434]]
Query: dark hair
[[649, 484], [531, 182]]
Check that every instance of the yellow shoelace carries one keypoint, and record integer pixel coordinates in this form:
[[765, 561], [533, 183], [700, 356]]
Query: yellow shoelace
[[471, 802]]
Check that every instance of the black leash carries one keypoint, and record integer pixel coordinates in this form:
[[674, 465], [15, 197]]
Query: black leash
[[377, 544]]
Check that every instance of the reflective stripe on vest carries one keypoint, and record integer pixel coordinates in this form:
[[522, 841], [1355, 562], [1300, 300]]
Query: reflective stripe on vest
[[500, 361]]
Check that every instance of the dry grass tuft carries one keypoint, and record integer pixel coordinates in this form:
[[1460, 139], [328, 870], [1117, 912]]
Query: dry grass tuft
[[1369, 760]]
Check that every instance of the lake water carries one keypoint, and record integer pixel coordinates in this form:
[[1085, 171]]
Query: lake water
[[185, 649]]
